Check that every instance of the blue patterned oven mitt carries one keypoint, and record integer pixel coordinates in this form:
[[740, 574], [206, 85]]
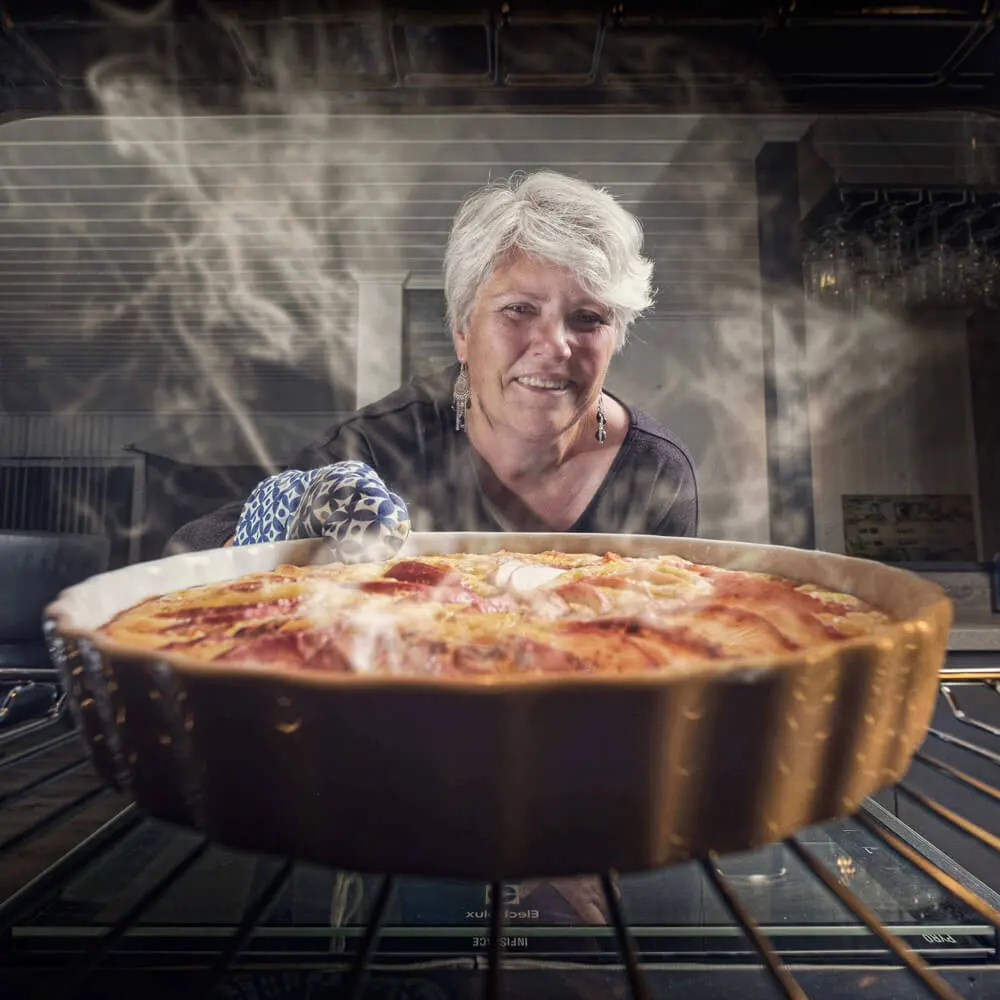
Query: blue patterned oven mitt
[[347, 503]]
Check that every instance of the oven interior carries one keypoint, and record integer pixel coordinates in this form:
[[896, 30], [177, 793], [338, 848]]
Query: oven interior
[[850, 155]]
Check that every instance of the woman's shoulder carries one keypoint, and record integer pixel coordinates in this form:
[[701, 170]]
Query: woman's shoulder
[[648, 438], [659, 462], [430, 391], [412, 418]]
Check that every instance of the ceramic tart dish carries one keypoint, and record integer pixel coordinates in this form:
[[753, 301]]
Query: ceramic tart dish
[[493, 705]]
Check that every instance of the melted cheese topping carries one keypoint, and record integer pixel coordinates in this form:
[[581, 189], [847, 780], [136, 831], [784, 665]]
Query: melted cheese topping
[[497, 614]]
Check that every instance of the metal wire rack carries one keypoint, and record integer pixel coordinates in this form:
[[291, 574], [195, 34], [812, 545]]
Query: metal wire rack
[[42, 738]]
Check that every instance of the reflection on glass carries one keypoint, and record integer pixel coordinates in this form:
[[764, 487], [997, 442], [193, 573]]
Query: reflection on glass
[[676, 904]]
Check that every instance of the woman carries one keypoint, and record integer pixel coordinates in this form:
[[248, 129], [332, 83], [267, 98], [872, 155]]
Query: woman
[[543, 277]]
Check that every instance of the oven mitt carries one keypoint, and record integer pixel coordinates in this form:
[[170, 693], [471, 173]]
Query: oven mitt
[[347, 503]]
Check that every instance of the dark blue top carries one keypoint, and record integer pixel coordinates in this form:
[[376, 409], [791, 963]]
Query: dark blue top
[[409, 438]]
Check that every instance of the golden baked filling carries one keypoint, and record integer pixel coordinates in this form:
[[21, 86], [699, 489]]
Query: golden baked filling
[[492, 615]]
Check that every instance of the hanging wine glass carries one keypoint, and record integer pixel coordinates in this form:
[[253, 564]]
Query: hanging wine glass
[[990, 279], [813, 268], [917, 282], [969, 273], [939, 271], [989, 268], [841, 284]]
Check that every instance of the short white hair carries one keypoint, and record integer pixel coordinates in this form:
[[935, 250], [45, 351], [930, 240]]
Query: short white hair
[[560, 219]]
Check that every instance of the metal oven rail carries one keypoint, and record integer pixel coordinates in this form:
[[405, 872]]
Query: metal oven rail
[[976, 732]]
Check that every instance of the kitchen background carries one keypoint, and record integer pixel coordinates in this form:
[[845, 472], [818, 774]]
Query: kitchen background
[[189, 292]]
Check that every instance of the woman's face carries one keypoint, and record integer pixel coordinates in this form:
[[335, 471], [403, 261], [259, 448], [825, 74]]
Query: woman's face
[[538, 348]]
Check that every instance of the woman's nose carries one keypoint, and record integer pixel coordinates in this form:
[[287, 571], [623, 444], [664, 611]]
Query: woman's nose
[[549, 338]]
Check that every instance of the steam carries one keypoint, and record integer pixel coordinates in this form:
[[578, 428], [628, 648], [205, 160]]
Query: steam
[[857, 367], [249, 216], [239, 252]]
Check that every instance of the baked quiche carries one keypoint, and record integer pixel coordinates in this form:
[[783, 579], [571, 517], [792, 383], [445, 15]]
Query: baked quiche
[[496, 615]]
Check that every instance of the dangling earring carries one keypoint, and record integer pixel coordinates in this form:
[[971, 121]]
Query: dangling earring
[[602, 421], [462, 396]]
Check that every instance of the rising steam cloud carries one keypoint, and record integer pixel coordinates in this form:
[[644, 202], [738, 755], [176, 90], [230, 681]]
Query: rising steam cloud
[[245, 250]]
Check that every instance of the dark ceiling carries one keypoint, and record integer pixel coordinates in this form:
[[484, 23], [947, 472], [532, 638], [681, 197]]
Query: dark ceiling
[[706, 56]]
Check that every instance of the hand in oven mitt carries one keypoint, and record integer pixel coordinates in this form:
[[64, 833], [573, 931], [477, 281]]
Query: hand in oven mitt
[[346, 503]]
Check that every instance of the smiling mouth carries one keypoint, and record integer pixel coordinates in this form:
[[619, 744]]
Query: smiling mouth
[[543, 383]]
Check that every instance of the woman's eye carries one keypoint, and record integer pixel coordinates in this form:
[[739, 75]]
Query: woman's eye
[[589, 319], [517, 308]]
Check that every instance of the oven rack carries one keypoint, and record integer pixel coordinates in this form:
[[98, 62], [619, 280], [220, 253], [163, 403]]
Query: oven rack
[[54, 732]]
